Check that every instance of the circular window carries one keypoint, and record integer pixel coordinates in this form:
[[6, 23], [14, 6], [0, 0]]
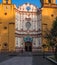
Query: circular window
[[28, 8], [5, 44], [5, 13], [52, 15], [28, 25], [5, 27]]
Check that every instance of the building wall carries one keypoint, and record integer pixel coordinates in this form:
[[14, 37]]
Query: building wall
[[49, 13], [7, 26]]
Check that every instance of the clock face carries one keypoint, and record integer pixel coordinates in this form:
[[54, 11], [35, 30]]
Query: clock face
[[6, 7], [28, 25]]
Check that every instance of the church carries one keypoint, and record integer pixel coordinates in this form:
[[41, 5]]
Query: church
[[28, 27], [24, 27]]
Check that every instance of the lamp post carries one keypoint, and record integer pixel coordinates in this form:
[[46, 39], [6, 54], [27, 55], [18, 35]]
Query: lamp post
[[55, 51], [44, 46], [0, 44]]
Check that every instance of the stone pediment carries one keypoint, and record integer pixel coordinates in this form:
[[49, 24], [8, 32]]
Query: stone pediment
[[28, 7]]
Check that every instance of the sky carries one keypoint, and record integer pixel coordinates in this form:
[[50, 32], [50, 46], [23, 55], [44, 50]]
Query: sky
[[20, 2]]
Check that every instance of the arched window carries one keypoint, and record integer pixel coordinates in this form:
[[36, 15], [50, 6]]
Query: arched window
[[6, 1], [49, 1]]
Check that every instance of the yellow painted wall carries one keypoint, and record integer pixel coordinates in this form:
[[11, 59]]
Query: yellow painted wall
[[7, 27], [49, 13], [47, 17]]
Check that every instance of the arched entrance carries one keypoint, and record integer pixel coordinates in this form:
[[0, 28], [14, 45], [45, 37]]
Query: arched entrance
[[28, 46], [28, 43]]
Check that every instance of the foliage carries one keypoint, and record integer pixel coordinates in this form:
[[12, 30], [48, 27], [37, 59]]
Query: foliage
[[54, 28], [51, 35]]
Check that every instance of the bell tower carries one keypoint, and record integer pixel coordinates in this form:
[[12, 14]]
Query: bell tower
[[7, 26], [7, 1], [49, 13], [47, 2], [52, 1], [43, 2]]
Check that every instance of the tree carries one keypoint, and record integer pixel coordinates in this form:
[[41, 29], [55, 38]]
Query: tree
[[54, 34], [51, 35], [54, 29]]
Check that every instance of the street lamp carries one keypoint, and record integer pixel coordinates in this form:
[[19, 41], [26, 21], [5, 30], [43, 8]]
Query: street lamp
[[44, 46], [55, 51]]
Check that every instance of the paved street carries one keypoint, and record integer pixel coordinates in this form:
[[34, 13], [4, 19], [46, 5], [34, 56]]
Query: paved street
[[24, 59], [18, 61], [39, 60]]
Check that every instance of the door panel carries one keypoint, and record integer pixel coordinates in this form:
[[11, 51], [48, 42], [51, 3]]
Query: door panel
[[28, 46]]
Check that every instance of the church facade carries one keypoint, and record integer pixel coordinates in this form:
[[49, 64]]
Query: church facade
[[28, 28], [24, 28]]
